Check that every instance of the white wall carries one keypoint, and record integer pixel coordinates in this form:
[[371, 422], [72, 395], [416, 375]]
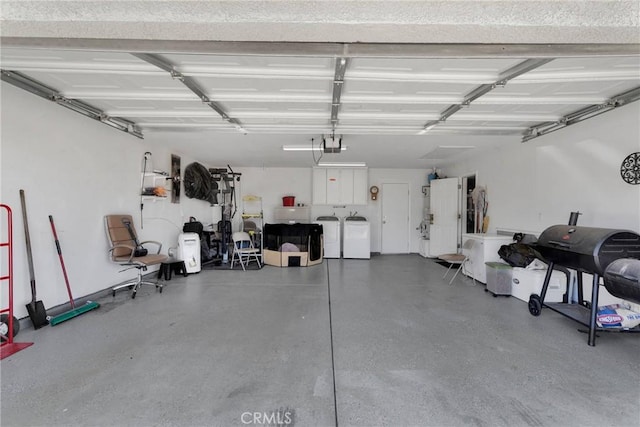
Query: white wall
[[274, 183], [77, 170], [534, 185]]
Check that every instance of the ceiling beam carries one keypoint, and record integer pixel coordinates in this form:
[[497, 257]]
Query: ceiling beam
[[511, 73], [190, 83], [582, 114], [35, 87], [315, 49], [338, 84]]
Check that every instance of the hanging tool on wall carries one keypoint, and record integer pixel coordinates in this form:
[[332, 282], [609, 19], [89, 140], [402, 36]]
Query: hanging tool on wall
[[145, 158], [74, 311]]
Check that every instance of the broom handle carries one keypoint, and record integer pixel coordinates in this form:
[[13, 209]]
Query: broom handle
[[64, 270], [28, 243]]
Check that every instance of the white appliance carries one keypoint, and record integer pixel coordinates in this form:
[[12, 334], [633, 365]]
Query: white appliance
[[526, 282], [485, 249], [331, 235], [189, 251], [356, 241]]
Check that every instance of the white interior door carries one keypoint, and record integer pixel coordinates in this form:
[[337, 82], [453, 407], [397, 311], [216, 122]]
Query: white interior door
[[395, 218], [443, 232]]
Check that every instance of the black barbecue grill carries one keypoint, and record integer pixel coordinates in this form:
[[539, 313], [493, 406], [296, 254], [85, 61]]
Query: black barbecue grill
[[588, 250]]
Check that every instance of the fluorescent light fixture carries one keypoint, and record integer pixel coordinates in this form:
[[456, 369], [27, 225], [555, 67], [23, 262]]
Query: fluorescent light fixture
[[343, 165], [427, 128], [305, 148], [457, 147]]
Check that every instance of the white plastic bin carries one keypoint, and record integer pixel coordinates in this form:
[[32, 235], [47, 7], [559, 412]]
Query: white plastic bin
[[499, 278]]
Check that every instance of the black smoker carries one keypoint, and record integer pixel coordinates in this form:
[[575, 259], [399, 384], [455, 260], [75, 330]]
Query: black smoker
[[590, 250]]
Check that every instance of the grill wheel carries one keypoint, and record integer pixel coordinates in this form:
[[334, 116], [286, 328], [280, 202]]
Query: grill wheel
[[535, 306]]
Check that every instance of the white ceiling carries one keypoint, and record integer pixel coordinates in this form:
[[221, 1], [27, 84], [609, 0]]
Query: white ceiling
[[261, 95]]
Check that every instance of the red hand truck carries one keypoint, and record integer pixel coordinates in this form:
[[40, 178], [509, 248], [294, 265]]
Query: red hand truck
[[7, 321]]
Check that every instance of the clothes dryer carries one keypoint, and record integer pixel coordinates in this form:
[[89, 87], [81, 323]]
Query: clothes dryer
[[356, 238]]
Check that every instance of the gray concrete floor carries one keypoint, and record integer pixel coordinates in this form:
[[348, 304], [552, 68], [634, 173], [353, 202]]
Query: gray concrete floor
[[407, 349]]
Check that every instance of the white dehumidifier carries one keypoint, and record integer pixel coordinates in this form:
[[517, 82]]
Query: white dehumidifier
[[189, 251]]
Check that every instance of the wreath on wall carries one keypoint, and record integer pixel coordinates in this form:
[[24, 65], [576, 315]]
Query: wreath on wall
[[630, 169]]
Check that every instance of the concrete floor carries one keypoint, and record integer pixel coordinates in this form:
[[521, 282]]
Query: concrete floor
[[224, 348]]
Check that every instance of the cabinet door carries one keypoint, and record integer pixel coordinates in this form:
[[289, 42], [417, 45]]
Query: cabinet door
[[319, 179], [346, 186], [360, 184], [333, 181]]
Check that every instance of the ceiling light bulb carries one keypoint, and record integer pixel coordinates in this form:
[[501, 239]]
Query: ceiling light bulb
[[305, 148], [344, 165]]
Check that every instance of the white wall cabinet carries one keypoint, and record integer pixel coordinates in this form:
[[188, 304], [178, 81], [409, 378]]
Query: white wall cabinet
[[360, 186], [319, 185], [340, 186]]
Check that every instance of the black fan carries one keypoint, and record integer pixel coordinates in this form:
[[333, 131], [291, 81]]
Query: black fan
[[198, 184]]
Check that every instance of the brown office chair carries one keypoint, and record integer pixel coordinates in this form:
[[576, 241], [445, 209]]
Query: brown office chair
[[123, 241]]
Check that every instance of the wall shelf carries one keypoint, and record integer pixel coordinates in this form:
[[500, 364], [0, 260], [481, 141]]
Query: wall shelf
[[153, 180]]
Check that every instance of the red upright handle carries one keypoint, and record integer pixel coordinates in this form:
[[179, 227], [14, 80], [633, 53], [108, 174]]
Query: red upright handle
[[64, 270]]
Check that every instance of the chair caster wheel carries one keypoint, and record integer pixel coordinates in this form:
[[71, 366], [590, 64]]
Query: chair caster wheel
[[160, 289], [113, 293], [133, 295]]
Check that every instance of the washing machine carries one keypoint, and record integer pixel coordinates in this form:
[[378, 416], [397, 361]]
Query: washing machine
[[189, 251], [356, 238], [331, 234]]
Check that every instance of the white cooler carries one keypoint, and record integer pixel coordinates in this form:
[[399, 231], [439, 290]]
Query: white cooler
[[526, 282], [189, 251]]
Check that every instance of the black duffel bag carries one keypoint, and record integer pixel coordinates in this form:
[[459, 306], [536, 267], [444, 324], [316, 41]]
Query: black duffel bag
[[518, 254], [193, 226]]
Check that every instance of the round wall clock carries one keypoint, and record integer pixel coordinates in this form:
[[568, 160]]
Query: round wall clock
[[630, 169], [374, 192]]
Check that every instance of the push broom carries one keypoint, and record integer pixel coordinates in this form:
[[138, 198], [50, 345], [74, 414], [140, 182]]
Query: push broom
[[74, 311]]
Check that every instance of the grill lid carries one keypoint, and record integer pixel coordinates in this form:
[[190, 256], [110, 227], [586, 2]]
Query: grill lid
[[587, 249]]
